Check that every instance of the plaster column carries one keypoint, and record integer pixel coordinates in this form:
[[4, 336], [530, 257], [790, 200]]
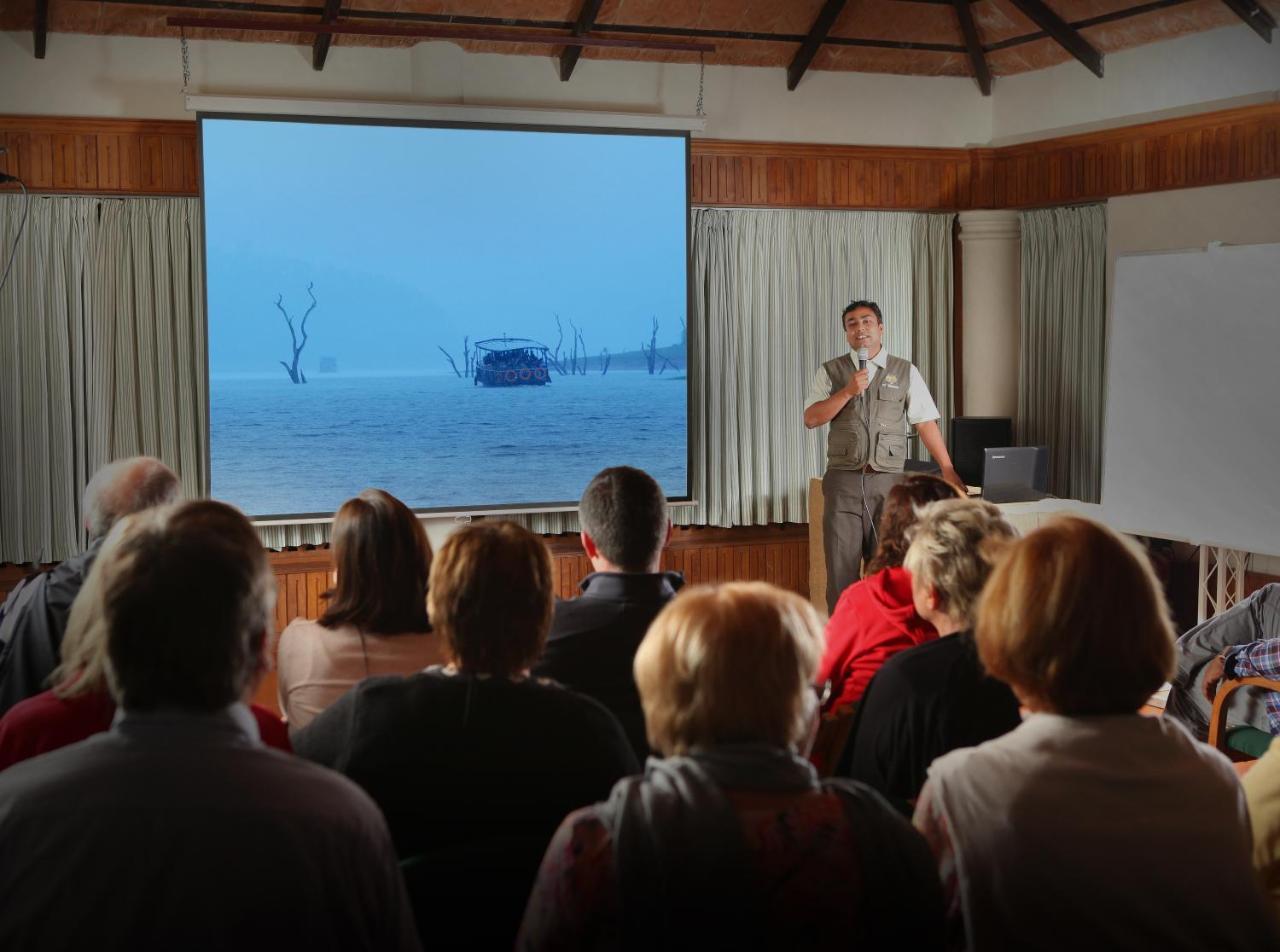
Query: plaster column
[[990, 272]]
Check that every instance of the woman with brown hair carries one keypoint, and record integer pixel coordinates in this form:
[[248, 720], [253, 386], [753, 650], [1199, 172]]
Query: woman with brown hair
[[375, 621], [1089, 825], [875, 617], [474, 763]]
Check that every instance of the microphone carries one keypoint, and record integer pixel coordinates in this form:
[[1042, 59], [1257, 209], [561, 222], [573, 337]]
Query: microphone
[[863, 356]]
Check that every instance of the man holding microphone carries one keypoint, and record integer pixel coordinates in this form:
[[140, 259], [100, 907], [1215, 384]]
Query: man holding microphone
[[871, 399]]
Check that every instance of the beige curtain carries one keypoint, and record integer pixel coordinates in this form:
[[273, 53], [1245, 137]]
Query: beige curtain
[[1061, 381], [102, 356]]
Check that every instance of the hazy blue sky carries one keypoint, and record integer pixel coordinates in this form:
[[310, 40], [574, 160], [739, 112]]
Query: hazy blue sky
[[414, 237]]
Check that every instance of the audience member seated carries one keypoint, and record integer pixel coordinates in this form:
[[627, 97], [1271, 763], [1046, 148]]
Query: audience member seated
[[594, 637], [875, 617], [1090, 825], [80, 704], [33, 619], [1262, 791], [474, 764], [731, 841], [177, 829], [934, 698], [376, 619], [1242, 642]]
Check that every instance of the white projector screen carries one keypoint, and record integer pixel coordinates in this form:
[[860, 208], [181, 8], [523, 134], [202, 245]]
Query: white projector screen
[[1192, 436], [474, 318]]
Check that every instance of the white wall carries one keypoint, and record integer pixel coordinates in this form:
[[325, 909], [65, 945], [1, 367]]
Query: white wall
[[142, 78], [1244, 213], [1192, 73]]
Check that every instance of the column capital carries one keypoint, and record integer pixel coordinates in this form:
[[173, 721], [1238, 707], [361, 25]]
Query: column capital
[[990, 225]]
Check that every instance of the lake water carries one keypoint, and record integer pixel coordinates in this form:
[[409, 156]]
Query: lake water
[[438, 441]]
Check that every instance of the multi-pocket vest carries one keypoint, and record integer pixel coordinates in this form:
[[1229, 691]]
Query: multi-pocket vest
[[873, 428]]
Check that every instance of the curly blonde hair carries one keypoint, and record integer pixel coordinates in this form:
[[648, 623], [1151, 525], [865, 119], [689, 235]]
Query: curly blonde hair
[[954, 545]]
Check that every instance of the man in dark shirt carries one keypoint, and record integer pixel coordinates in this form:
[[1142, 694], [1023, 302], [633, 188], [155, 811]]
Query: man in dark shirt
[[594, 637], [34, 619]]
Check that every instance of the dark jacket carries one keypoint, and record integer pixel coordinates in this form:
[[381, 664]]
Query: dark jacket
[[35, 619], [925, 702], [594, 638], [473, 775]]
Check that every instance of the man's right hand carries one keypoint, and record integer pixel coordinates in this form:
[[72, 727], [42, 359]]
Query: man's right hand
[[858, 383], [1213, 673]]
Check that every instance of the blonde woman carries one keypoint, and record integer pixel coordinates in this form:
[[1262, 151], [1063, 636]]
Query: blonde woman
[[1089, 826], [731, 841], [935, 697]]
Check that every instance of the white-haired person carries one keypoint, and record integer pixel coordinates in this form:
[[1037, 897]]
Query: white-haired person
[[1089, 826], [935, 697], [33, 619], [731, 840]]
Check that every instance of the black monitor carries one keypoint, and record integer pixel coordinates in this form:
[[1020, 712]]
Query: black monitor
[[1015, 473], [970, 436]]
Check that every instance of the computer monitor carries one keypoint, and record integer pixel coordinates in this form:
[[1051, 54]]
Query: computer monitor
[[1015, 473], [970, 436]]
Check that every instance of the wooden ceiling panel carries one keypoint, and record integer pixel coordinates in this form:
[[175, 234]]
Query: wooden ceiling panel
[[897, 20], [869, 35]]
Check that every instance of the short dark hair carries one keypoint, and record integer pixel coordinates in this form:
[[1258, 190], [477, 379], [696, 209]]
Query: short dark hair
[[854, 305], [187, 599], [382, 557], [490, 597], [901, 507], [625, 512]]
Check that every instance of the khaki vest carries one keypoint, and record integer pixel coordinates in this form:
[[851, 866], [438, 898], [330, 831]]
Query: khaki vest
[[873, 428]]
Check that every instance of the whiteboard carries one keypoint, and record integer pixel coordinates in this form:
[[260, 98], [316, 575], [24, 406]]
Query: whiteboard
[[1192, 435]]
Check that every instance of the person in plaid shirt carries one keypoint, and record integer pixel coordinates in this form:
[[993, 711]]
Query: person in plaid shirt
[[1260, 659]]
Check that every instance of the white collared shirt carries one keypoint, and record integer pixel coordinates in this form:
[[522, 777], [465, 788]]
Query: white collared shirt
[[920, 405]]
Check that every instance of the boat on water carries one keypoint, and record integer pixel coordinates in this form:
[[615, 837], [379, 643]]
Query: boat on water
[[511, 362]]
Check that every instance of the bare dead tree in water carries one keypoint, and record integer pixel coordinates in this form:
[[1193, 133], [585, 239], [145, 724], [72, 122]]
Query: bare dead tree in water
[[468, 356], [553, 357], [667, 362], [449, 357], [605, 357], [651, 352], [294, 371], [582, 367]]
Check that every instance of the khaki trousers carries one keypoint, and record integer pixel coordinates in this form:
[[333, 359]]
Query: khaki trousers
[[851, 505]]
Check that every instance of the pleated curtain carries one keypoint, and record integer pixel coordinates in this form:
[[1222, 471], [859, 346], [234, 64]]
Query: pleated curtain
[[103, 333], [1061, 381], [102, 355]]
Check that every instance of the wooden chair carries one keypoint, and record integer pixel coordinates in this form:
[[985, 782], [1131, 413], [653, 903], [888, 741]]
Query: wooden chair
[[1244, 742], [833, 735]]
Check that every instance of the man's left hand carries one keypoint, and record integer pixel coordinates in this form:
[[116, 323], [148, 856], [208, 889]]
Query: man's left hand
[[951, 476]]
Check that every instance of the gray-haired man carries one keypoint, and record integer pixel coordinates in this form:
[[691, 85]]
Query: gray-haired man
[[34, 618]]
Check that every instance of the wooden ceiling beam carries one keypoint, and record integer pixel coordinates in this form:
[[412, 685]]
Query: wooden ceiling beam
[[320, 46], [817, 34], [40, 31], [586, 20], [1062, 33], [976, 56], [424, 31], [1258, 19]]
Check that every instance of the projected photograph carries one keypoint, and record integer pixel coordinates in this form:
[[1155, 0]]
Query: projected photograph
[[468, 318]]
